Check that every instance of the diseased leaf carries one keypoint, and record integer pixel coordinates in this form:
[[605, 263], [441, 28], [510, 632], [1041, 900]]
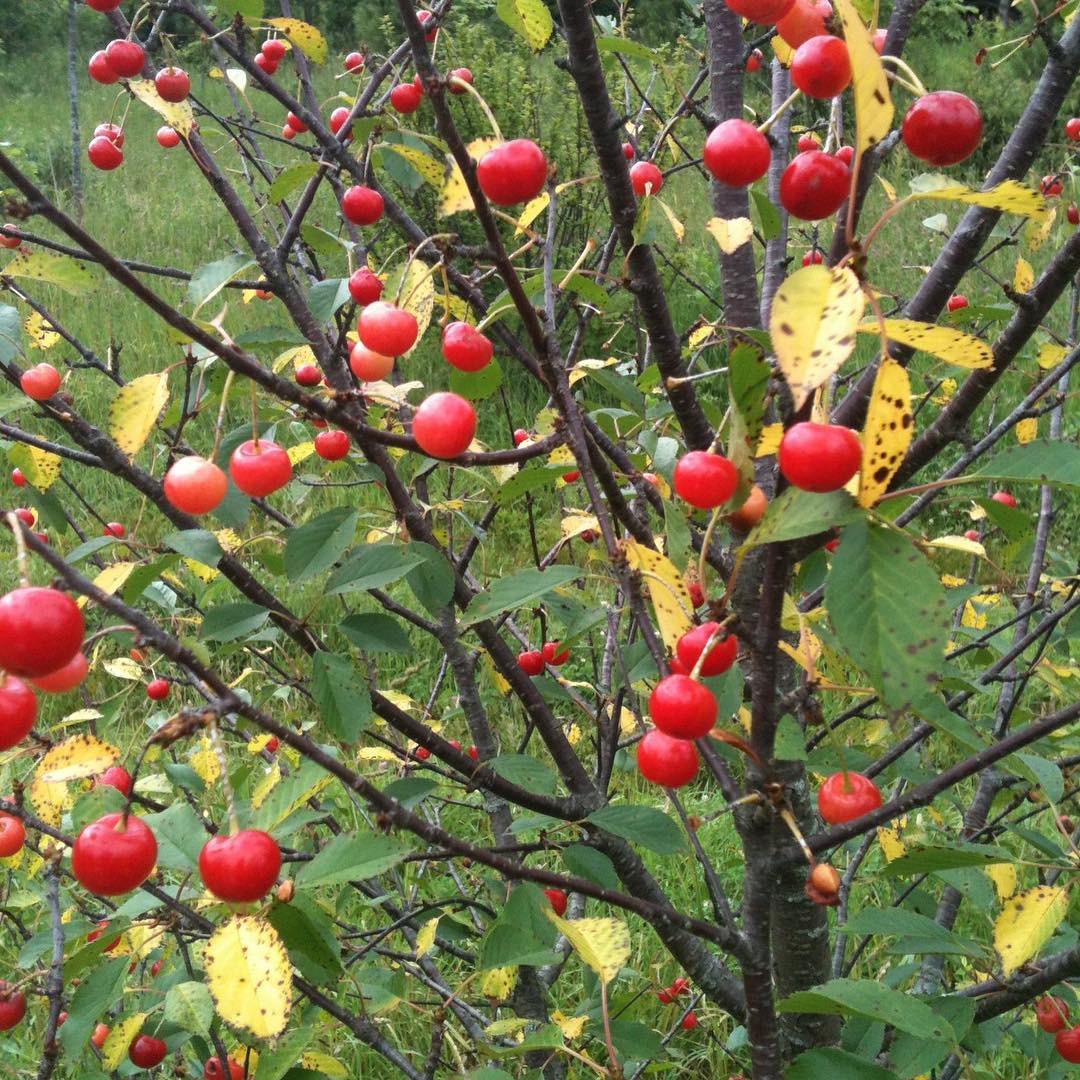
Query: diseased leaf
[[66, 273], [1026, 923], [455, 197], [249, 976], [115, 1048], [178, 115], [304, 36], [135, 410], [603, 944], [945, 342], [76, 758], [40, 467], [529, 19], [667, 590], [873, 101], [1010, 196], [888, 431]]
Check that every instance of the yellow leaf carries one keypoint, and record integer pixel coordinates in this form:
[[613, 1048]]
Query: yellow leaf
[[135, 410], [111, 578], [299, 800], [427, 166], [298, 357], [1027, 429], [892, 846], [533, 209], [1010, 196], [951, 581], [784, 52], [667, 590], [1050, 355], [178, 115], [267, 784], [945, 392], [812, 324], [50, 800], [40, 332], [249, 976], [873, 102], [677, 227], [530, 19], [1005, 879], [1026, 923], [888, 431], [304, 36], [972, 617], [204, 573], [122, 667], [702, 333], [960, 543], [511, 1025], [324, 1064], [603, 944], [945, 342], [1037, 232], [40, 467], [238, 77], [1023, 276], [455, 196], [76, 758], [769, 440], [115, 1048], [570, 1026], [890, 191], [205, 762], [499, 983], [417, 296], [425, 937], [66, 273], [300, 452], [576, 524], [730, 233]]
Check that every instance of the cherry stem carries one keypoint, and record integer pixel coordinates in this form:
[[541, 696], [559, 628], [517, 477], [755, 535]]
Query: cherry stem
[[483, 105], [223, 765], [905, 68], [590, 247], [16, 527], [719, 633], [615, 1069], [412, 258], [219, 426], [779, 111], [788, 819], [706, 542], [254, 416]]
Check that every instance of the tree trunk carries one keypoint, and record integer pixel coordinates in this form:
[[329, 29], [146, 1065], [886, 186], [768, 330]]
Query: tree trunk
[[73, 100]]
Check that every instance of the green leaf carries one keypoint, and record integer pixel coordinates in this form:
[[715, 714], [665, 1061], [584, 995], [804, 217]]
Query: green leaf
[[748, 376], [97, 993], [375, 632], [317, 545], [1045, 775], [189, 1005], [836, 1065], [643, 825], [308, 934], [84, 551], [528, 479], [351, 857], [511, 592], [624, 46], [373, 566], [586, 862], [767, 214], [325, 297], [321, 241], [1040, 461], [288, 180], [180, 836], [635, 1041], [871, 999], [477, 385], [341, 695], [921, 860], [889, 610], [210, 279], [908, 925], [227, 622], [197, 544], [526, 772], [63, 271], [432, 581], [796, 513], [10, 333], [275, 1063]]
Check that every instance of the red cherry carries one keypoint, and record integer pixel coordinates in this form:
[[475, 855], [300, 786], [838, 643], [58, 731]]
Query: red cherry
[[520, 436], [308, 375], [274, 49], [1072, 214], [956, 302], [266, 64], [705, 480], [942, 128], [17, 478], [362, 205], [272, 744], [212, 1070], [101, 1033], [473, 753], [125, 57], [645, 175], [332, 445], [513, 172], [65, 678], [736, 153], [167, 137], [423, 18], [406, 98], [808, 141], [665, 997], [111, 857], [1072, 129], [104, 154], [100, 70], [805, 20], [365, 286], [814, 185], [1067, 1044], [845, 796], [819, 457], [368, 365], [387, 329], [103, 5], [764, 12], [531, 662], [25, 515], [682, 708], [338, 118], [110, 131], [689, 1021], [846, 154], [147, 1052], [12, 1006], [821, 67], [421, 753], [1051, 1014], [628, 151], [1004, 497], [464, 347], [43, 380], [155, 969], [697, 594], [419, 84], [12, 835], [753, 61], [813, 258], [971, 534], [354, 61], [552, 655], [10, 242], [240, 868], [557, 900], [458, 76], [1051, 186], [157, 689], [879, 40], [444, 425], [195, 485], [116, 777], [295, 123], [669, 762], [114, 528], [721, 656], [260, 468], [172, 84], [40, 630]]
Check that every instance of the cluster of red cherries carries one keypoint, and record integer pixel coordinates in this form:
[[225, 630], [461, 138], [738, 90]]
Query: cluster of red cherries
[[1052, 1016]]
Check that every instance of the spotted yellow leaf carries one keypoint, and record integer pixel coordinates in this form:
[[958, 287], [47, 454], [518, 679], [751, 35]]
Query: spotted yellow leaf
[[205, 762], [415, 292], [873, 102], [178, 115], [425, 937], [267, 784], [1037, 230], [301, 452], [1027, 921], [40, 331], [812, 324], [66, 273], [135, 410], [76, 758], [324, 1064], [304, 36], [50, 800], [699, 336], [1023, 276], [428, 167], [677, 227], [204, 573], [115, 1048], [1005, 879], [889, 839], [730, 233], [888, 431], [123, 667], [111, 578], [1050, 355], [499, 983], [576, 524], [529, 19], [570, 1026], [1027, 429], [455, 197], [945, 342], [533, 209], [667, 590], [249, 976], [1010, 196], [972, 617], [960, 543], [769, 440], [603, 944], [40, 467]]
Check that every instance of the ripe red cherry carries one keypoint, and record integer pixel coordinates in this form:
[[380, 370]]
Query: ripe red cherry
[[368, 365], [808, 141], [295, 122], [110, 131], [845, 796], [814, 185], [557, 900], [64, 679], [689, 1021], [272, 744], [40, 631], [195, 485], [821, 67], [464, 347], [513, 172], [260, 468], [665, 996], [1051, 1014], [12, 1006], [805, 20], [444, 425], [387, 329], [956, 302], [116, 777], [354, 61], [104, 154], [736, 153], [1072, 129], [10, 242], [172, 84], [157, 689], [764, 12], [679, 986], [846, 154], [147, 1052], [308, 375], [812, 258], [879, 39], [531, 661], [819, 457], [520, 436], [125, 57], [25, 515], [669, 762], [212, 1070], [332, 445], [406, 98], [721, 656], [266, 64], [705, 480], [114, 528], [111, 857], [43, 380], [12, 835], [100, 70], [103, 5], [240, 868], [942, 128], [17, 478], [1067, 1044], [362, 205], [338, 118], [18, 710], [274, 49], [458, 76], [753, 61], [1004, 497], [1072, 214], [644, 175], [682, 708], [971, 534], [1051, 186], [552, 655], [423, 18], [421, 753], [365, 286]]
